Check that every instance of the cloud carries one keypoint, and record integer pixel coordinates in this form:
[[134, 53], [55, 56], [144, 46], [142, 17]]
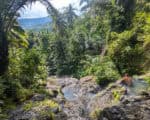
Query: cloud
[[34, 11], [38, 10], [63, 3]]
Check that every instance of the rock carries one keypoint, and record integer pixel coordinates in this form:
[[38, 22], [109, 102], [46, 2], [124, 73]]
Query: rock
[[61, 116], [20, 114], [144, 93], [87, 79], [37, 110], [38, 97], [55, 110], [125, 101], [135, 110], [1, 103], [66, 81], [78, 98]]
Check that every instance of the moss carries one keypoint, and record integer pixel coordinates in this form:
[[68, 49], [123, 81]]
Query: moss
[[44, 108], [49, 103], [147, 79], [45, 103], [42, 91], [94, 115], [48, 114], [28, 106]]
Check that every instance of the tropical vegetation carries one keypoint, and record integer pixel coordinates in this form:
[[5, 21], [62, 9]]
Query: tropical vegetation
[[106, 40]]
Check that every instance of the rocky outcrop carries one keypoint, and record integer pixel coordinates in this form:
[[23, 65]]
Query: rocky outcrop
[[39, 110], [132, 108], [77, 95], [107, 97], [73, 99]]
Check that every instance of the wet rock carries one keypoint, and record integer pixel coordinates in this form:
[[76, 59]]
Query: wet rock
[[77, 94], [66, 81]]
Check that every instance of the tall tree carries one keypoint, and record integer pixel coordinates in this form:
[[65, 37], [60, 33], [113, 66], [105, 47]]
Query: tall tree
[[70, 15]]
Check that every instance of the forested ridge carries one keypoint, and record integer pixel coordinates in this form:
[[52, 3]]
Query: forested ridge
[[108, 39]]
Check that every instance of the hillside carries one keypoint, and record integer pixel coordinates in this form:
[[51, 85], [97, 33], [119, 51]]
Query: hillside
[[35, 23]]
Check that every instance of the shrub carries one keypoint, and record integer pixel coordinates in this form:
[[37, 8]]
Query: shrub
[[33, 68], [26, 69], [126, 52], [104, 71], [23, 94]]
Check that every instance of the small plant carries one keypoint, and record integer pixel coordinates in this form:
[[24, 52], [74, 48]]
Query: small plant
[[116, 95], [118, 92], [106, 73], [28, 106]]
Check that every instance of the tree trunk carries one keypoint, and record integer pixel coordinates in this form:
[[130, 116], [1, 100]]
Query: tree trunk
[[3, 53]]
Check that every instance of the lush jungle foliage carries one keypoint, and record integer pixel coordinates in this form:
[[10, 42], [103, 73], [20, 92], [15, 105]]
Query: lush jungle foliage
[[108, 39]]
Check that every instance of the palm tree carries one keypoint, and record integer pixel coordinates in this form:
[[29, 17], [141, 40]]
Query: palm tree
[[9, 11], [128, 5], [17, 36], [91, 4], [59, 24], [70, 15]]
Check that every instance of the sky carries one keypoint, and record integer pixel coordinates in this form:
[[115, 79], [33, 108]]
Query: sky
[[38, 10]]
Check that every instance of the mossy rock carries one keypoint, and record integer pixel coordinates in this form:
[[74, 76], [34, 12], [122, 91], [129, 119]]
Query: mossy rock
[[94, 115]]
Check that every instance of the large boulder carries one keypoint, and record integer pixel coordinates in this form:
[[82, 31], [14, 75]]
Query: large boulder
[[39, 110], [136, 108]]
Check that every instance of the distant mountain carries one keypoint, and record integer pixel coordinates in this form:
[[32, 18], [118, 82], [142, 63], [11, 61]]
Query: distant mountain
[[35, 23]]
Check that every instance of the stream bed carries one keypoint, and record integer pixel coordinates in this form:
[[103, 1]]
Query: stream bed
[[80, 95]]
